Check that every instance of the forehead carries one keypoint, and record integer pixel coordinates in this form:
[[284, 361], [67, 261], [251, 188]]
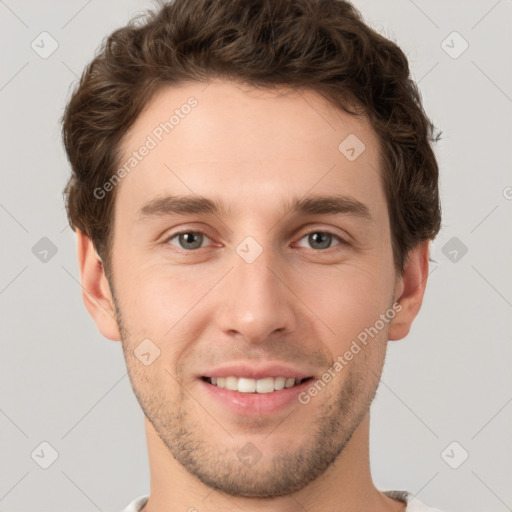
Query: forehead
[[250, 148]]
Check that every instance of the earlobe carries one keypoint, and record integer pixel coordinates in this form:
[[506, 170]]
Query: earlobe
[[409, 291], [96, 292]]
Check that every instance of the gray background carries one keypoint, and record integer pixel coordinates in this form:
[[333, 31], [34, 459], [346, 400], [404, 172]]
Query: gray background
[[449, 380]]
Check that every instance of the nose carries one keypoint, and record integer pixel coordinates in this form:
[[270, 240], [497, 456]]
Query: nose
[[257, 301]]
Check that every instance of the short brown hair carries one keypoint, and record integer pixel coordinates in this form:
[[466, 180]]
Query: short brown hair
[[320, 45]]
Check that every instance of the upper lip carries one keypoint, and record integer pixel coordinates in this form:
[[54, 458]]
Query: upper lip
[[250, 371]]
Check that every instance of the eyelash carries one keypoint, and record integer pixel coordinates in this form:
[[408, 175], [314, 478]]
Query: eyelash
[[188, 231]]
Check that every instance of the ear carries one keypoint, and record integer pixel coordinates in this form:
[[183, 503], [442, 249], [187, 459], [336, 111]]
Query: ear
[[96, 292], [409, 291]]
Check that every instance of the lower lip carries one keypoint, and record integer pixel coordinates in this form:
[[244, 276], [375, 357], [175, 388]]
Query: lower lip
[[255, 404]]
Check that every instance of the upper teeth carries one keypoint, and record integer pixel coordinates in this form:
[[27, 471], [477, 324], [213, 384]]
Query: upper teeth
[[243, 385]]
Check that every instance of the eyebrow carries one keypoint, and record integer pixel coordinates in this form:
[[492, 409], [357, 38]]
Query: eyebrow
[[195, 204]]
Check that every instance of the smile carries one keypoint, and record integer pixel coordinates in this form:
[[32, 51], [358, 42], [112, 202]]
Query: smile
[[245, 385]]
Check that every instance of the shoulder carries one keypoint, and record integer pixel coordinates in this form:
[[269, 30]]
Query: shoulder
[[413, 503], [137, 504]]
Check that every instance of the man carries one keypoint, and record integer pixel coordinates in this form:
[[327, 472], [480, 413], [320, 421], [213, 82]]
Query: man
[[253, 192]]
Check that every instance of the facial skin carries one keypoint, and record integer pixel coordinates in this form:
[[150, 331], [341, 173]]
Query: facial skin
[[298, 303]]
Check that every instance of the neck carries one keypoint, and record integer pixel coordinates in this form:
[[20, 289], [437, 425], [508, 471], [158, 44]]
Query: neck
[[345, 486]]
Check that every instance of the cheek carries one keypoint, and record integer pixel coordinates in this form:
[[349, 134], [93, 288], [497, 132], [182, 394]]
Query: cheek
[[347, 298], [165, 303], [159, 303]]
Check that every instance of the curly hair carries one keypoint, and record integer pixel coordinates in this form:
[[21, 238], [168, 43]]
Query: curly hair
[[320, 45]]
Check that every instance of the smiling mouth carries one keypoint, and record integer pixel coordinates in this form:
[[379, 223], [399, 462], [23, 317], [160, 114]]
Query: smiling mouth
[[245, 385]]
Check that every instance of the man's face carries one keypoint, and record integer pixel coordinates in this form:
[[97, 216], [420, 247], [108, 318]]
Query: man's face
[[256, 284]]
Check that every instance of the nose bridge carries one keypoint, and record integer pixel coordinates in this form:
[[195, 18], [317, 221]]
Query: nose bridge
[[257, 302]]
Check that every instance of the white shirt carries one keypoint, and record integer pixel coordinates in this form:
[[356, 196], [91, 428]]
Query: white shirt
[[413, 504]]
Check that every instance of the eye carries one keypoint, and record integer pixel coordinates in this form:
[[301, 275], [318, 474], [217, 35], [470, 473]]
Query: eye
[[192, 240], [321, 239], [188, 240]]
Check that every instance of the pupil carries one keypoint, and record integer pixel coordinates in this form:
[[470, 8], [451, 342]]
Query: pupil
[[320, 238], [189, 242]]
